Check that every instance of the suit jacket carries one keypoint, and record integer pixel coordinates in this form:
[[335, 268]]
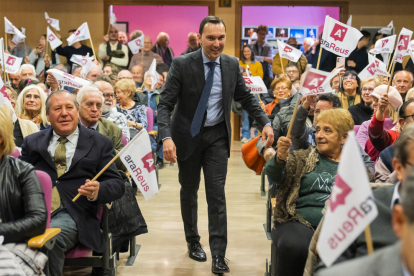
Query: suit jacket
[[114, 133], [183, 89], [384, 262], [92, 153]]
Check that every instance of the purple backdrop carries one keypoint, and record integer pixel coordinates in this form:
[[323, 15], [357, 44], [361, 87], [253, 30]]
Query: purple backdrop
[[176, 21]]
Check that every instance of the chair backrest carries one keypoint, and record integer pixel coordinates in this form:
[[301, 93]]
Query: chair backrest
[[150, 119], [356, 129], [46, 182], [15, 153], [124, 140]]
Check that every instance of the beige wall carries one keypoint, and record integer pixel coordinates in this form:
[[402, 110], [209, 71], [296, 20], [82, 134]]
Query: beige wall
[[72, 13]]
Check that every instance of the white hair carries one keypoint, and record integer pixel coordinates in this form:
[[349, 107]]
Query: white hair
[[27, 66], [20, 102], [309, 41], [86, 89]]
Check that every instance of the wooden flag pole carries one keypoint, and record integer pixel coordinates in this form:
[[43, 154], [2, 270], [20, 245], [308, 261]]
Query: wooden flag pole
[[368, 240], [298, 100], [109, 28], [99, 174], [388, 63], [5, 49], [93, 50], [142, 57], [392, 72], [281, 63]]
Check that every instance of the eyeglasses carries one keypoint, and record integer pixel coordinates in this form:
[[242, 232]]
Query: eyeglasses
[[108, 95], [370, 90], [292, 71], [280, 89], [350, 77], [412, 116]]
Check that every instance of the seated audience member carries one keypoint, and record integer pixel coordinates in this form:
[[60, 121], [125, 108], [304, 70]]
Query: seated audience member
[[30, 105], [14, 80], [281, 90], [122, 37], [19, 50], [22, 202], [40, 59], [162, 49], [350, 91], [301, 63], [292, 71], [403, 81], [125, 74], [307, 46], [90, 101], [380, 138], [163, 69], [93, 73], [137, 75], [262, 48], [109, 69], [114, 78], [303, 136], [72, 155], [139, 98], [113, 51], [384, 171], [358, 59], [192, 42], [149, 56], [22, 127], [135, 113], [108, 112], [299, 201], [363, 111], [396, 259], [28, 81], [247, 58], [76, 48], [26, 71], [335, 81]]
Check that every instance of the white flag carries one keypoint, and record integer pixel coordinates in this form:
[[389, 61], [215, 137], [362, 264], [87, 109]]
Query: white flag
[[351, 205], [412, 55], [2, 53], [380, 67], [87, 66], [137, 158], [12, 63], [368, 71], [384, 45], [317, 82], [339, 38], [52, 22], [255, 84], [54, 41], [136, 44], [153, 73], [4, 99], [402, 45], [387, 30], [81, 60], [112, 19], [19, 39], [82, 33], [11, 29], [287, 51], [349, 22], [65, 79]]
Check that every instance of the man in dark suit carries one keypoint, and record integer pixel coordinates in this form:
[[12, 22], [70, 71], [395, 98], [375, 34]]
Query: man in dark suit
[[200, 86], [72, 155]]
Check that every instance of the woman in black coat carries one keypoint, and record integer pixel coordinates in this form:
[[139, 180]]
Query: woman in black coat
[[363, 111]]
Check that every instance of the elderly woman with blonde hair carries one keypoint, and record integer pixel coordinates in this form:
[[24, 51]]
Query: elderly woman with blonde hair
[[31, 105], [306, 178], [136, 113]]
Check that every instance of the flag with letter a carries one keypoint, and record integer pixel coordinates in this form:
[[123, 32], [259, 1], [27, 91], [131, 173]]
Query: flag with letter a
[[255, 84], [53, 39], [136, 44], [12, 63], [384, 45], [137, 158], [402, 45], [52, 22], [317, 82], [339, 38], [351, 205], [82, 33], [289, 52]]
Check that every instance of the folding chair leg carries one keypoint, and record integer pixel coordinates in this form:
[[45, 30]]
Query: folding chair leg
[[133, 251]]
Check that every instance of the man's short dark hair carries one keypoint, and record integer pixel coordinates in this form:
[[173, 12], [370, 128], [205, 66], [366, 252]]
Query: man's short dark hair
[[57, 93], [210, 19], [365, 34], [161, 68], [333, 99], [291, 65], [262, 28], [72, 31]]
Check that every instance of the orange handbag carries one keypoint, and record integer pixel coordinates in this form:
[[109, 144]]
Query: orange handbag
[[251, 156]]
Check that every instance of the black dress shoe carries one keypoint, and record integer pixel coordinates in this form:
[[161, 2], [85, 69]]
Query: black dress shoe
[[196, 252], [219, 265]]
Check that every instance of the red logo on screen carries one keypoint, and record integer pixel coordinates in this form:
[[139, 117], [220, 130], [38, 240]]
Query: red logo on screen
[[340, 191], [403, 42], [313, 80], [288, 49], [148, 162], [10, 60], [384, 42], [371, 69], [51, 37], [338, 32]]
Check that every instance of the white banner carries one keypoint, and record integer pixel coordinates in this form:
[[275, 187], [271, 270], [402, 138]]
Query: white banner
[[65, 79], [53, 40], [402, 45], [52, 22], [136, 44], [384, 45], [12, 63], [81, 60], [387, 30], [351, 205], [82, 33], [317, 82], [339, 38], [137, 158], [288, 52]]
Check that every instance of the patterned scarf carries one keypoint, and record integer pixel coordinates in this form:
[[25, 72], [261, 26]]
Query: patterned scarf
[[36, 119]]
